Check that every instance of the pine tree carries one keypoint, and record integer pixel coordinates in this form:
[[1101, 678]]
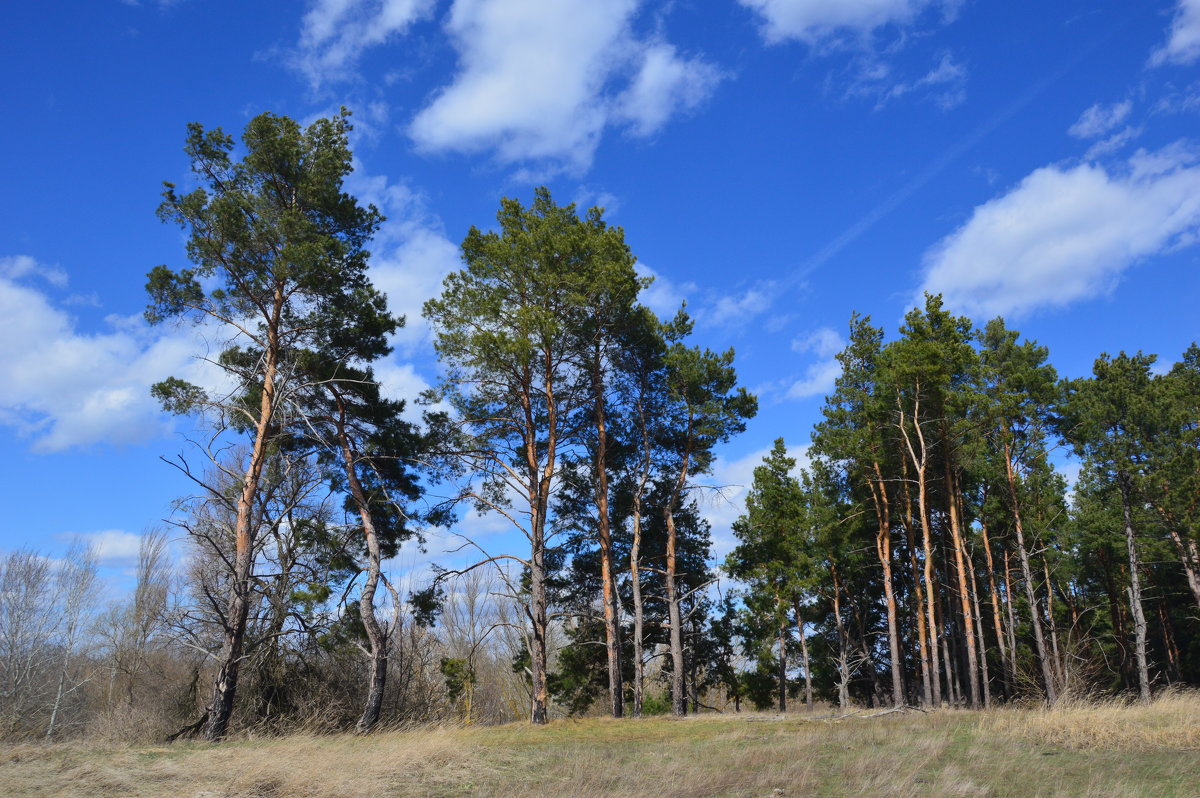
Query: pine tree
[[279, 261]]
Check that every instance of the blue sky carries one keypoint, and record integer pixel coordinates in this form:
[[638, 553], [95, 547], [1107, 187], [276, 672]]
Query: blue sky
[[776, 163]]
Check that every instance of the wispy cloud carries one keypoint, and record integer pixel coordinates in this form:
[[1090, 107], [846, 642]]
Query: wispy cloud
[[922, 178], [818, 21], [1183, 37], [1100, 119], [410, 255], [17, 267], [824, 344], [740, 308], [945, 84], [334, 34]]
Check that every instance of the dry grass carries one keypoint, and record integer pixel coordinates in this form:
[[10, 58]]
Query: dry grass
[[1094, 751], [1170, 722]]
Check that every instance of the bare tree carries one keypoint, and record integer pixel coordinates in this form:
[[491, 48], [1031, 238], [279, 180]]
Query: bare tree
[[75, 581], [27, 622]]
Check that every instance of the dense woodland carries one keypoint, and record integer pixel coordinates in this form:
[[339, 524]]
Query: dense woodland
[[927, 553]]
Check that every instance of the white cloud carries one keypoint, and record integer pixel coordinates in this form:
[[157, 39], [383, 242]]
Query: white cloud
[[410, 255], [813, 21], [1107, 146], [335, 33], [823, 342], [730, 310], [401, 381], [539, 82], [64, 387], [1183, 39], [1065, 234], [411, 273], [945, 83], [819, 377], [734, 479], [1100, 119], [663, 296], [113, 545], [665, 84], [17, 267]]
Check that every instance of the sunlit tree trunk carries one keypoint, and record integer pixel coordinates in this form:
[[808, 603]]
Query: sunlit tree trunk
[[919, 595], [956, 534], [612, 626], [883, 550], [1001, 642], [984, 678], [1027, 575], [919, 461], [237, 609], [808, 693], [1135, 591]]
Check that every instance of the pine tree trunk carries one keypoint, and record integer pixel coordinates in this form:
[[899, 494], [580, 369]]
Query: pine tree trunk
[[693, 672], [1001, 642], [376, 638], [1059, 665], [1135, 591], [612, 627], [237, 610], [636, 588], [949, 648], [540, 483], [1027, 574], [883, 549], [919, 463], [539, 704], [843, 660], [918, 593], [1172, 651], [1012, 622], [984, 678], [781, 639], [1189, 557], [952, 496], [230, 658], [808, 693], [678, 697]]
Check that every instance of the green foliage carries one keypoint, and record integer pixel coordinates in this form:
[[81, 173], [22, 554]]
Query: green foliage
[[459, 675], [581, 673], [656, 704], [278, 242]]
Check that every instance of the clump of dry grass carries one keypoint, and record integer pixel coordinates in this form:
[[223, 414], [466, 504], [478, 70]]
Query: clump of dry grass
[[300, 765], [1170, 722]]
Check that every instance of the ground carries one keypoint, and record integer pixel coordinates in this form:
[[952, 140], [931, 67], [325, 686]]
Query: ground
[[1082, 750]]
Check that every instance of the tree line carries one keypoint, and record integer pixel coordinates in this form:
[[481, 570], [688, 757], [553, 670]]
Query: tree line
[[939, 557], [929, 553]]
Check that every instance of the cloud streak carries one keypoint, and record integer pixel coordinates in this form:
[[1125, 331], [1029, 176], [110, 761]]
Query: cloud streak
[[1183, 38], [815, 21], [334, 34]]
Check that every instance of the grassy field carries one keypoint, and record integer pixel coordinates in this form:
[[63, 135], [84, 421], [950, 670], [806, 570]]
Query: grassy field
[[1079, 750]]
